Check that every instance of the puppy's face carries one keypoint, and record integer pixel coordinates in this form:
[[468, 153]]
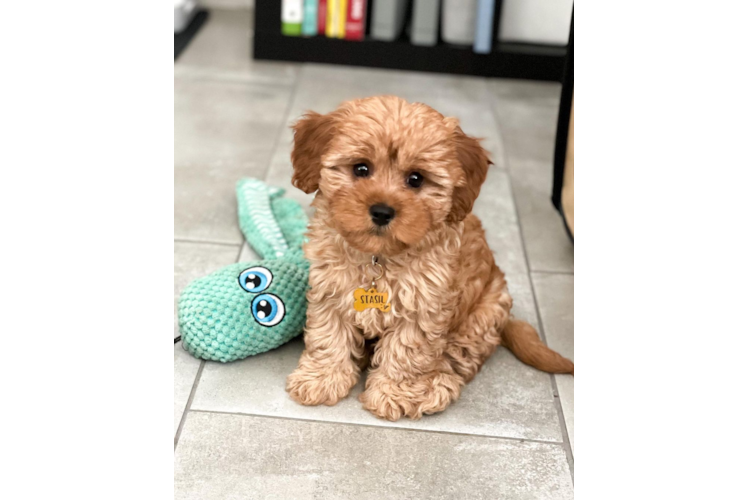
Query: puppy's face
[[391, 171]]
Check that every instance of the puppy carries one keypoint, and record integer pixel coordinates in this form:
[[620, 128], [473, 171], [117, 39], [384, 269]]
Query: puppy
[[396, 182]]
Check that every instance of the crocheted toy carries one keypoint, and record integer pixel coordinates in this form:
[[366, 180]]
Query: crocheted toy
[[249, 308]]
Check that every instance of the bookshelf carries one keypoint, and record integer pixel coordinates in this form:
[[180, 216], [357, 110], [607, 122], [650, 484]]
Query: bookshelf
[[507, 60]]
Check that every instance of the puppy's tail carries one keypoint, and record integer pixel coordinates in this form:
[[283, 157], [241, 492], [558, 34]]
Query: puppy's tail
[[522, 339]]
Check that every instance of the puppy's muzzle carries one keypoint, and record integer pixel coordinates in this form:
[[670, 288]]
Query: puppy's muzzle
[[381, 214]]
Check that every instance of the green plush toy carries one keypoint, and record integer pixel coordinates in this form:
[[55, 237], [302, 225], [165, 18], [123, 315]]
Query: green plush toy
[[249, 308]]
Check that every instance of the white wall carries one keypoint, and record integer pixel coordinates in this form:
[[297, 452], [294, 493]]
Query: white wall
[[536, 21]]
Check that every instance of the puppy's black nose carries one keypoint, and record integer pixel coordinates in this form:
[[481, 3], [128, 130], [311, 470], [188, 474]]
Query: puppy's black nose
[[381, 214]]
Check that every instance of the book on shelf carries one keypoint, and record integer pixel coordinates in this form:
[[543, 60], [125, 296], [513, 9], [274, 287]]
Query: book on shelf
[[388, 19], [342, 14], [535, 21], [484, 27], [322, 17], [309, 22], [291, 16], [355, 23], [458, 21], [331, 25], [336, 14], [424, 28]]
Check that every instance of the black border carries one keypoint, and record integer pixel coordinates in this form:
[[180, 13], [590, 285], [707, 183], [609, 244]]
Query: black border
[[562, 128]]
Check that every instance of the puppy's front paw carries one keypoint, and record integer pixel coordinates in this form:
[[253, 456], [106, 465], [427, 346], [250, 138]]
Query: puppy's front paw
[[312, 388], [425, 395], [382, 404]]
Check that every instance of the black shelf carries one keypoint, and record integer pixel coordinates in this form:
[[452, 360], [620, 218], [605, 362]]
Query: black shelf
[[508, 60]]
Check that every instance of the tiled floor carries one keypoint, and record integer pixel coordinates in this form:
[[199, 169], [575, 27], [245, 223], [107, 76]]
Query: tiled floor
[[237, 434]]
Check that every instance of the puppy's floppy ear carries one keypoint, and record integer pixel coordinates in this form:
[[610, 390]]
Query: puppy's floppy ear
[[474, 163], [312, 134]]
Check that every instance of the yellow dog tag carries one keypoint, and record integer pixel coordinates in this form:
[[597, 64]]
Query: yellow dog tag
[[367, 299]]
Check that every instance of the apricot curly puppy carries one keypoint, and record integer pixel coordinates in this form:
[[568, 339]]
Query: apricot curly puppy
[[397, 181]]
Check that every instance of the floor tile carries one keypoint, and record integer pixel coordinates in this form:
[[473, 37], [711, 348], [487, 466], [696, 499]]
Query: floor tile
[[523, 299], [222, 50], [234, 456], [192, 261], [548, 245], [195, 260], [507, 398], [228, 4], [527, 114], [555, 294], [226, 121], [495, 208], [223, 132], [205, 200], [185, 370], [524, 90], [528, 129], [326, 86], [248, 254]]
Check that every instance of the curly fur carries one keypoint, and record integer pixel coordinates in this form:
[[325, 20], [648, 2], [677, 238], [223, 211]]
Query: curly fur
[[450, 303]]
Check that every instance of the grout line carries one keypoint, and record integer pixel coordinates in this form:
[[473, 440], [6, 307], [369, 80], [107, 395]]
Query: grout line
[[189, 403], [241, 248], [554, 385], [540, 271], [374, 426], [208, 242], [541, 328], [284, 123], [504, 166]]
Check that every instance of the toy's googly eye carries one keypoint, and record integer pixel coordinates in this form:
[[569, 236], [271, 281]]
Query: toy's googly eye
[[268, 309], [255, 279]]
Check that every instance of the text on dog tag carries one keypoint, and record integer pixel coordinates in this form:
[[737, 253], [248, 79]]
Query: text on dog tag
[[371, 298]]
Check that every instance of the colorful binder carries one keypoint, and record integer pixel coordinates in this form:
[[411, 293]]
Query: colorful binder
[[333, 19], [388, 19], [322, 17], [484, 27], [355, 24], [458, 21], [425, 26], [291, 15], [309, 23]]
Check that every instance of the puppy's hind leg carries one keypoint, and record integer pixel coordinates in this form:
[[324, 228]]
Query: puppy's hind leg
[[477, 336], [490, 325]]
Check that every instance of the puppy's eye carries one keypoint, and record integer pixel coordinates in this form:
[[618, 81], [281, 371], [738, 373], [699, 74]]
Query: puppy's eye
[[268, 309], [361, 170], [255, 279], [415, 180]]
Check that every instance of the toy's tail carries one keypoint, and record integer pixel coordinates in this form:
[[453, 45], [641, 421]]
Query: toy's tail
[[522, 339], [274, 226]]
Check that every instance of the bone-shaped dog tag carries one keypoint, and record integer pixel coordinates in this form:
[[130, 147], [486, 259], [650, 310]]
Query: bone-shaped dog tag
[[371, 298]]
